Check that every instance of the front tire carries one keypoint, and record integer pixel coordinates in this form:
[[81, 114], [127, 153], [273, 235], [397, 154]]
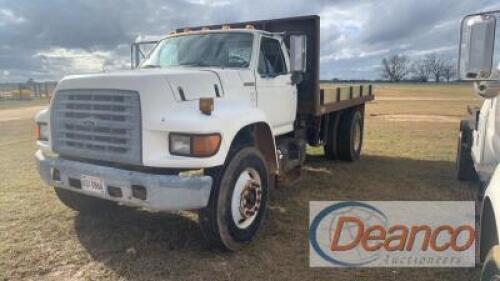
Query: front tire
[[464, 163], [238, 200], [488, 230], [491, 267]]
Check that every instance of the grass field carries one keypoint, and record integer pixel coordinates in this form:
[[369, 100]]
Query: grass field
[[409, 148]]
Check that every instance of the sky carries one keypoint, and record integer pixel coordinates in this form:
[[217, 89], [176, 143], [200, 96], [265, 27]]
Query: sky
[[46, 40]]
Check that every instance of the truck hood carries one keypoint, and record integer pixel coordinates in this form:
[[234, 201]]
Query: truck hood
[[182, 84], [159, 88]]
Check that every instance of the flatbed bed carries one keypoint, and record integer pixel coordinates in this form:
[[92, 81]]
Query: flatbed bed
[[335, 97]]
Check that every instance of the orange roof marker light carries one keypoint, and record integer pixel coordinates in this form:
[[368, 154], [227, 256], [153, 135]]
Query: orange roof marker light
[[249, 26], [205, 28], [226, 27]]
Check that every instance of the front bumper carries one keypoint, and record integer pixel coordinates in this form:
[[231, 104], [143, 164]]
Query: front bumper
[[164, 192]]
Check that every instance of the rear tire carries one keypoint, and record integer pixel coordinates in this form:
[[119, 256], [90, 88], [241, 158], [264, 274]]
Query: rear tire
[[350, 136], [464, 164], [84, 203], [238, 200]]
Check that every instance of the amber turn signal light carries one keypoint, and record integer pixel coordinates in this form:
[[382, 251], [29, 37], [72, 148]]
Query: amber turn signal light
[[206, 105], [196, 145], [205, 145], [41, 131], [37, 131]]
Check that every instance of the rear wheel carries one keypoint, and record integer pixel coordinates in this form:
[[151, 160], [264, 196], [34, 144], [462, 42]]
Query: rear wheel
[[350, 136], [238, 201], [83, 203], [464, 164]]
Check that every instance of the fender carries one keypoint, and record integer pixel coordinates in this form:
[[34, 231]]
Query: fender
[[228, 118], [492, 195]]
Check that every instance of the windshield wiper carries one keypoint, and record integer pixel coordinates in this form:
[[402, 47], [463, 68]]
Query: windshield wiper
[[202, 64]]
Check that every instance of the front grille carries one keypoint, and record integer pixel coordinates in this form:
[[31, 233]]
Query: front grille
[[97, 124]]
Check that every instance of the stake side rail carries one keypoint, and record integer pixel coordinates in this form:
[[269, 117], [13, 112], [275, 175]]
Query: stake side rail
[[340, 97]]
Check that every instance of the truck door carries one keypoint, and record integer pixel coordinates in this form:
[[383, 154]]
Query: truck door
[[277, 97], [485, 139], [478, 135]]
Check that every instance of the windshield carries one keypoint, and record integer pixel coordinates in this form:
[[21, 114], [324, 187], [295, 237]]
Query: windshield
[[210, 49]]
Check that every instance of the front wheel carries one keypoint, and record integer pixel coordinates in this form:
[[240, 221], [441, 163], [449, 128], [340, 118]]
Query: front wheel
[[238, 201], [464, 163], [491, 266]]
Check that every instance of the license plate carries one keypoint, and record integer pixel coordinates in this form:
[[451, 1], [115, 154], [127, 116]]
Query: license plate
[[93, 184]]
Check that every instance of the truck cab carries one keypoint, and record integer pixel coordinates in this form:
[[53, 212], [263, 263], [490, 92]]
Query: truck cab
[[210, 120], [478, 150]]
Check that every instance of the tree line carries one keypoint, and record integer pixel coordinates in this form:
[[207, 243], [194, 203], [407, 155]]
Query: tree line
[[430, 67]]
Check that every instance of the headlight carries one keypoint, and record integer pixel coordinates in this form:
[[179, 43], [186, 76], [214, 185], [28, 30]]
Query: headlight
[[42, 131], [180, 144], [194, 145]]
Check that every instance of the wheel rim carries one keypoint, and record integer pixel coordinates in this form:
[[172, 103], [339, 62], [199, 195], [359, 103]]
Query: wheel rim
[[246, 199], [357, 136]]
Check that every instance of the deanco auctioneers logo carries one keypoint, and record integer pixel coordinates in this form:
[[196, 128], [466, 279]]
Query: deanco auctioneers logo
[[392, 234]]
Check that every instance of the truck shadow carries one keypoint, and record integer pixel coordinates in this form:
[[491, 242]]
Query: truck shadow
[[124, 235], [141, 245], [387, 178]]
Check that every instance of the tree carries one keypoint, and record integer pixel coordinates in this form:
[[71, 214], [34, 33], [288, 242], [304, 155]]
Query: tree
[[435, 65], [449, 71], [420, 71], [32, 84], [394, 68]]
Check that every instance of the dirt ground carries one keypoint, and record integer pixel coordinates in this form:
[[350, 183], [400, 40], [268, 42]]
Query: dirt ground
[[19, 113], [408, 155]]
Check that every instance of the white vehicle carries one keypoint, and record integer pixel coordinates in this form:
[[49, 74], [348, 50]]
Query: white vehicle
[[478, 152], [210, 120]]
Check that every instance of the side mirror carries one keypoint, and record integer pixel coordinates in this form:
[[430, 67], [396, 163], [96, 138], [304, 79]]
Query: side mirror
[[298, 53], [297, 77], [478, 43], [488, 89]]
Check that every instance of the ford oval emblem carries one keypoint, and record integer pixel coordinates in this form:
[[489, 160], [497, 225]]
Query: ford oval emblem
[[88, 123]]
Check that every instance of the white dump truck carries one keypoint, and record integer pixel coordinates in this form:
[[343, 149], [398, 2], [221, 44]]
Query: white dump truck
[[478, 151], [209, 120]]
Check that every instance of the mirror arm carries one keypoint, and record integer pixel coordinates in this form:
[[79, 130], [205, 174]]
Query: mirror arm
[[297, 77]]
